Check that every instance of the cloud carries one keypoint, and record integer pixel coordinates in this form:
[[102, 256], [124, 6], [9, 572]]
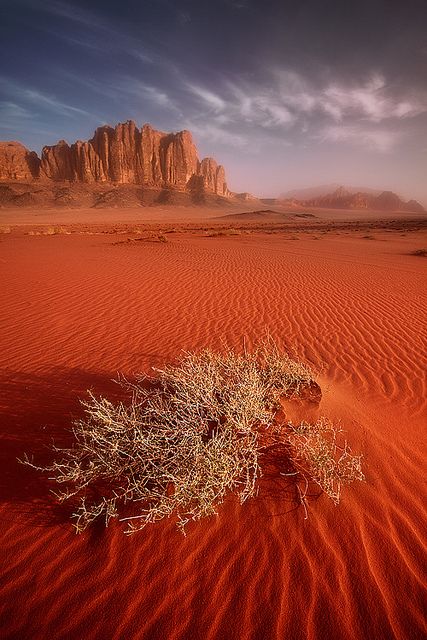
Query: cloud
[[271, 113], [380, 140], [126, 89], [153, 94], [15, 118], [217, 134], [104, 37], [142, 92], [254, 105], [212, 100], [159, 97], [184, 17], [45, 101], [292, 102], [38, 100], [64, 10], [10, 111], [295, 91], [371, 100], [140, 55], [282, 103], [331, 112]]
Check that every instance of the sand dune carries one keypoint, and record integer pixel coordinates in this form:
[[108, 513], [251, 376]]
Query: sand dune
[[260, 215], [75, 309]]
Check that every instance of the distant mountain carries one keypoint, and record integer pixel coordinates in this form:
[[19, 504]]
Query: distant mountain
[[323, 190], [343, 198]]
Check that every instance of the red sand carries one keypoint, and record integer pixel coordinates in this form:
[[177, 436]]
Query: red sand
[[75, 309]]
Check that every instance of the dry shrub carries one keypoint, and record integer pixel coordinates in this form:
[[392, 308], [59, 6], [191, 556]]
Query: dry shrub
[[223, 232], [317, 456], [159, 237], [51, 231], [190, 435]]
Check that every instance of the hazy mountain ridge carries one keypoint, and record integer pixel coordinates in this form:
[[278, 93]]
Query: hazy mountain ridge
[[308, 193], [343, 198], [128, 166]]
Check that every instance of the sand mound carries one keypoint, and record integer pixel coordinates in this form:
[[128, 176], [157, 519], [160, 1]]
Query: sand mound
[[262, 215]]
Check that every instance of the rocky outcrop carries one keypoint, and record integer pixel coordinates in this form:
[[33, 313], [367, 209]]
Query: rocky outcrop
[[388, 201], [416, 207], [248, 197], [110, 156], [121, 155], [17, 162], [128, 155], [214, 176], [343, 199], [178, 158], [56, 162]]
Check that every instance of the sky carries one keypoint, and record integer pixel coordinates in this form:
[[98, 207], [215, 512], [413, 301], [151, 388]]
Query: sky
[[283, 94]]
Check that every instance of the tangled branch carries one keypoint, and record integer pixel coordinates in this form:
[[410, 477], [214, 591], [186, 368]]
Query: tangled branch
[[192, 434]]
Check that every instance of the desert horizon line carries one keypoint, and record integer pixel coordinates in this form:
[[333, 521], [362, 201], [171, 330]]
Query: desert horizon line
[[324, 188]]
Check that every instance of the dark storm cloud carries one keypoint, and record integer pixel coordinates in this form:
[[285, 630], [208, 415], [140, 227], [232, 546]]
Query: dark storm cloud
[[246, 77]]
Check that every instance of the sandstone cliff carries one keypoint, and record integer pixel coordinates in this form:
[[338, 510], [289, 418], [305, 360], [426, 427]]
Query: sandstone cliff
[[124, 154], [17, 163], [213, 176], [129, 155]]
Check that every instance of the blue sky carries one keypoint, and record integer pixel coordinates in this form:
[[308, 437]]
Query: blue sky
[[284, 94]]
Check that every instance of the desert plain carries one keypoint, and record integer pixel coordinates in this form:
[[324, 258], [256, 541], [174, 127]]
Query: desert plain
[[86, 294]]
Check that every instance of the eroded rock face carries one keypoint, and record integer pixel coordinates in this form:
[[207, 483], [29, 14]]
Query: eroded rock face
[[343, 199], [128, 155], [56, 162], [214, 176], [179, 160], [150, 156], [17, 162]]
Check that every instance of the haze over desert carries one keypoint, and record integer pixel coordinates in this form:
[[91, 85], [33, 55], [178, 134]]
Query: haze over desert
[[249, 346]]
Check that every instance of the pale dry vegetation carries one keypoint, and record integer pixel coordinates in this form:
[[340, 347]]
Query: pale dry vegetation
[[223, 232], [49, 231], [192, 434]]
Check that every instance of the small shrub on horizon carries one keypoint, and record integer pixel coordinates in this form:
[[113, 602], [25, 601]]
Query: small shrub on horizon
[[223, 232], [51, 231], [192, 434]]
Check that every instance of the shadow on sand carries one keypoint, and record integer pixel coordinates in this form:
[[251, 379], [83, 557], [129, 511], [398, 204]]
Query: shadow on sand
[[37, 410]]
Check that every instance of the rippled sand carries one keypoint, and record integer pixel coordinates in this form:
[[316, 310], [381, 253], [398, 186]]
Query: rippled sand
[[75, 309]]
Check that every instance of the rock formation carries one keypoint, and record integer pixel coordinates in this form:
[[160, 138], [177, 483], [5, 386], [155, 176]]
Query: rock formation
[[213, 176], [343, 199], [120, 155], [17, 163], [166, 163], [413, 205]]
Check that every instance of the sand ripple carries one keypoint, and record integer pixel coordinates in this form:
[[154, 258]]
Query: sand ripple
[[77, 309]]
